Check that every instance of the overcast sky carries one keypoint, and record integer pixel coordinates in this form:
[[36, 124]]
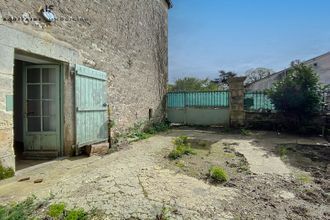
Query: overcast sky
[[236, 35]]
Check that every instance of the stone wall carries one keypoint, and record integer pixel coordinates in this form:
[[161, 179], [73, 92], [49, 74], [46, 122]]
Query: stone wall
[[277, 122], [125, 38], [7, 156]]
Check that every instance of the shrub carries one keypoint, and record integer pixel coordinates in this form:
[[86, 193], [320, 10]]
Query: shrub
[[6, 172], [297, 95], [218, 174]]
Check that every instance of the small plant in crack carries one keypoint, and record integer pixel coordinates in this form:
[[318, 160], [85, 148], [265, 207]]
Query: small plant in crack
[[164, 215]]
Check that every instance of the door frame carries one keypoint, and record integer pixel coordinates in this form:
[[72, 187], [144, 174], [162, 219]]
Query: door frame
[[61, 67]]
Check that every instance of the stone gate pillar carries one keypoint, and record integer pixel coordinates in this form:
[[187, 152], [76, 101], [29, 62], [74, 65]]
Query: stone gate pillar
[[236, 101]]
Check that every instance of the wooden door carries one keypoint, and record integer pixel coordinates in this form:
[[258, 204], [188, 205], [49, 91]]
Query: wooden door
[[91, 106], [41, 108]]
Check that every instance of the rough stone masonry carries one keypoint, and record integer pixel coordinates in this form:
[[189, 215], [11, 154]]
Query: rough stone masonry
[[125, 38]]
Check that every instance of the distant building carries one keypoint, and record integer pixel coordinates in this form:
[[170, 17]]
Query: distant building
[[320, 64]]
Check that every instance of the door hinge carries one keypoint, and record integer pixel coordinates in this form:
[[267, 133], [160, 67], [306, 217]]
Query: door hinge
[[73, 71]]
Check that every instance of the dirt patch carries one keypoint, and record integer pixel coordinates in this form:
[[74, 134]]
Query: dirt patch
[[313, 161], [273, 191], [208, 154]]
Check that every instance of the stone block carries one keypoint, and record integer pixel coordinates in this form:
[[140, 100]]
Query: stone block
[[97, 149], [7, 156], [7, 59]]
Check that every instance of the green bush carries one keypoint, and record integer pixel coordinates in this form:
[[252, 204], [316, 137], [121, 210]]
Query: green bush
[[297, 96], [218, 174], [6, 172]]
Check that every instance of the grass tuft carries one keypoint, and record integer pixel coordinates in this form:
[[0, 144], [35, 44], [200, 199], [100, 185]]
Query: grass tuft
[[56, 211], [245, 132], [218, 174], [283, 151]]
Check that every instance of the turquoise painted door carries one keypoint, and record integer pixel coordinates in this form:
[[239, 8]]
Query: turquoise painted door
[[91, 106], [41, 106]]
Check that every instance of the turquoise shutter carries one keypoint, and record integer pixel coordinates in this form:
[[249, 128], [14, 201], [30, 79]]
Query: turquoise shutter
[[91, 106]]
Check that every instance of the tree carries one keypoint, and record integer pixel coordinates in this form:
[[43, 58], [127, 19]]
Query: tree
[[298, 94], [193, 84], [222, 81], [256, 74]]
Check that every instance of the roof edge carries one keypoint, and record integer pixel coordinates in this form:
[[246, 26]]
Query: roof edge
[[170, 4], [286, 69]]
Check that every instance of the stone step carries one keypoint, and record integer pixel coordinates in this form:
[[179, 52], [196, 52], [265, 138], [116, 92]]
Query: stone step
[[97, 149], [40, 155]]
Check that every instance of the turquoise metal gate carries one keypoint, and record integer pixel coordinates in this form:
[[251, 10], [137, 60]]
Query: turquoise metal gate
[[91, 106], [198, 108]]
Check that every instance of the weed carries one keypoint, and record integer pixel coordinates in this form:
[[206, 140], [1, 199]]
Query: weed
[[18, 211], [182, 147], [6, 172], [138, 133], [303, 178], [218, 174], [245, 132], [182, 140], [76, 214], [56, 210], [164, 215], [180, 164], [31, 209], [283, 151], [158, 127]]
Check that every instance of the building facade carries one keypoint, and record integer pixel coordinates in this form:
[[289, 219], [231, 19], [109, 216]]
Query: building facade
[[67, 65], [320, 64]]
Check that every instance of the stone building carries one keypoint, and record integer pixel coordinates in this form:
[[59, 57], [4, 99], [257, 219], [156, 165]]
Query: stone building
[[64, 64], [320, 64]]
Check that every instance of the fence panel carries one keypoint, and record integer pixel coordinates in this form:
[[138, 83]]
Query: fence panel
[[257, 101], [198, 99]]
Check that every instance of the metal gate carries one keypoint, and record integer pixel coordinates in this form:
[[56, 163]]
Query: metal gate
[[198, 108], [91, 106]]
